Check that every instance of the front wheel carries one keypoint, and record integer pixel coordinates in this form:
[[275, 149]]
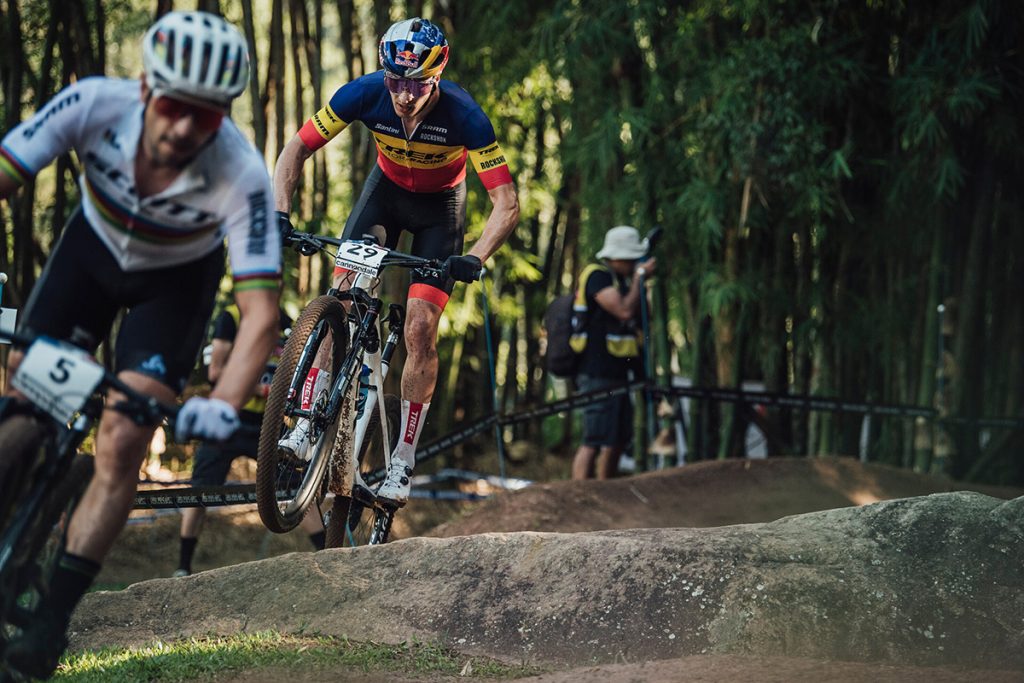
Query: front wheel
[[21, 441], [353, 522], [285, 486], [27, 575]]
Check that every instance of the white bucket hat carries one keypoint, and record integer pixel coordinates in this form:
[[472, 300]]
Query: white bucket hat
[[623, 242]]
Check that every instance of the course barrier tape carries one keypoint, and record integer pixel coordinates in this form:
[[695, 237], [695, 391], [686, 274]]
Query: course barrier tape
[[209, 496]]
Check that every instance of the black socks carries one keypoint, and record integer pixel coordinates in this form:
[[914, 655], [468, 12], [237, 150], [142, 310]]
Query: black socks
[[71, 579], [188, 547]]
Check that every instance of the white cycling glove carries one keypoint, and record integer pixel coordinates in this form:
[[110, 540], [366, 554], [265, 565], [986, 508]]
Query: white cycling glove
[[210, 419]]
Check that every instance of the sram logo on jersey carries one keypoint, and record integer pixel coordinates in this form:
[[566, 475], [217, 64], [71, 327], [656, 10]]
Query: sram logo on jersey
[[327, 123], [57, 106]]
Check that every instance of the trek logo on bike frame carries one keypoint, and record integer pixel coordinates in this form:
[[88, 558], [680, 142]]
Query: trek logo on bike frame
[[360, 257]]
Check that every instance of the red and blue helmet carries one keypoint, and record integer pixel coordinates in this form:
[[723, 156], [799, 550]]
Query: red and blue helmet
[[413, 48]]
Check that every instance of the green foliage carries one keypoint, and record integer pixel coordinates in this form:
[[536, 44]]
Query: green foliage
[[806, 159], [195, 658]]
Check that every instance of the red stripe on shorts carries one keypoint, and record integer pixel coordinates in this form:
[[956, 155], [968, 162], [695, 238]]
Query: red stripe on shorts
[[420, 290]]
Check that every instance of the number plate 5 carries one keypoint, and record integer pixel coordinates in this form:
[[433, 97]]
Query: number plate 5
[[360, 257], [57, 378]]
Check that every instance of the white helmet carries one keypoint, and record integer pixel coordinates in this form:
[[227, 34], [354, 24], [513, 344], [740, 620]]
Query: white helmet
[[197, 55]]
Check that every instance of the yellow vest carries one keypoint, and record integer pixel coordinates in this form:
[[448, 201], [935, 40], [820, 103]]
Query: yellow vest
[[620, 341]]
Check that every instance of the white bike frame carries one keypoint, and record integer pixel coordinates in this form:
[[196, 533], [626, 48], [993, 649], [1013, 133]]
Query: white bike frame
[[375, 394]]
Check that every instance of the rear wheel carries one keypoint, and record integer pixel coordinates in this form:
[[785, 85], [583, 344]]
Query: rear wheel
[[354, 522], [285, 488]]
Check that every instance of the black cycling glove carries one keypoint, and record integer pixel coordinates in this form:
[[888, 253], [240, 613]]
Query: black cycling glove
[[284, 225], [463, 268]]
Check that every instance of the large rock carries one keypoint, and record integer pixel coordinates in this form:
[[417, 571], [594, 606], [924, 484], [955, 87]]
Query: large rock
[[933, 580]]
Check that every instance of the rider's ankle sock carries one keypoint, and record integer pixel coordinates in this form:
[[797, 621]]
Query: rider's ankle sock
[[319, 540], [414, 416], [188, 547], [71, 579]]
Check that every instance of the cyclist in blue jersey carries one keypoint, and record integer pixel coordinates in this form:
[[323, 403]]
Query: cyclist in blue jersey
[[425, 129], [165, 177]]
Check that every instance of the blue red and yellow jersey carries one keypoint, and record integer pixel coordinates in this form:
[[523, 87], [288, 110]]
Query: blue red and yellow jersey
[[433, 158]]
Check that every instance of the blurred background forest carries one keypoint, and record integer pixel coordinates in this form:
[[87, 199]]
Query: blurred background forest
[[838, 183]]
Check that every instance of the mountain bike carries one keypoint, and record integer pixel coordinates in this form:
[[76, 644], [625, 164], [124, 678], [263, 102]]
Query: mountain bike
[[42, 474], [353, 426]]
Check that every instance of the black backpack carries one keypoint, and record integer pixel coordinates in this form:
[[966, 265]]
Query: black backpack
[[560, 359], [562, 322]]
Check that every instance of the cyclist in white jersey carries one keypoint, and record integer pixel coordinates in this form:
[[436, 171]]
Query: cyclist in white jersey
[[165, 177]]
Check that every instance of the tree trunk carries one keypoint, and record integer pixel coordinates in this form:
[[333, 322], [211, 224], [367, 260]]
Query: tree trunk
[[275, 75], [257, 100], [162, 8]]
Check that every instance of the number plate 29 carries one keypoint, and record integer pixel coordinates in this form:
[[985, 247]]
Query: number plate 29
[[360, 257], [56, 377]]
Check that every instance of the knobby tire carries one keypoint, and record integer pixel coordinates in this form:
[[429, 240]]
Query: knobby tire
[[276, 475]]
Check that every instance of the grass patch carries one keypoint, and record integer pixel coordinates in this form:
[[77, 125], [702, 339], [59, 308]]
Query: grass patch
[[201, 658]]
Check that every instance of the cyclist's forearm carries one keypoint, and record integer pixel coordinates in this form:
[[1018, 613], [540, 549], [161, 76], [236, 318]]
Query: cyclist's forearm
[[257, 335], [500, 223], [287, 172]]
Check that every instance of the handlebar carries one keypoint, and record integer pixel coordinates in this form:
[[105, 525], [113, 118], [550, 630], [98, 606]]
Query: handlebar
[[139, 407], [307, 244]]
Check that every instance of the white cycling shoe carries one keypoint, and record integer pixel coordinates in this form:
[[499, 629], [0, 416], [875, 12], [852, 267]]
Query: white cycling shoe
[[396, 486], [295, 444]]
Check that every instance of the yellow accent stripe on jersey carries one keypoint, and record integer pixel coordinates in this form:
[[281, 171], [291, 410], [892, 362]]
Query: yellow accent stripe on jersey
[[327, 123], [486, 158]]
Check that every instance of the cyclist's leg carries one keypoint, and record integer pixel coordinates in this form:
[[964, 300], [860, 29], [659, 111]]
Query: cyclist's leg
[[74, 290], [157, 345], [168, 332], [438, 224]]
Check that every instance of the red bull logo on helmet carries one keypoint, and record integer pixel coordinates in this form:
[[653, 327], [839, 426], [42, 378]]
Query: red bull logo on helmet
[[407, 58]]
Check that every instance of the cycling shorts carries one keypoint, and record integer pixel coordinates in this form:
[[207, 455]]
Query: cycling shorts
[[167, 308], [437, 221]]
